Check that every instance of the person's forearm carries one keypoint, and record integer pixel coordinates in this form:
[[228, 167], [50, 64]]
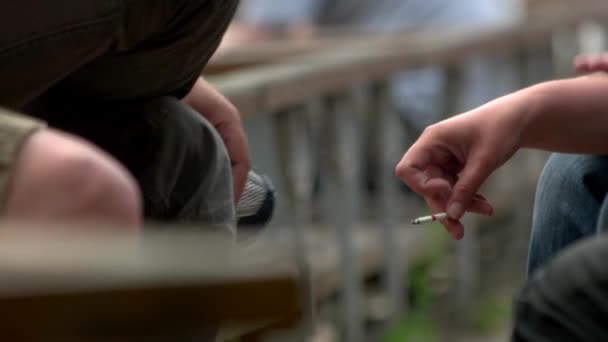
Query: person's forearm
[[567, 116]]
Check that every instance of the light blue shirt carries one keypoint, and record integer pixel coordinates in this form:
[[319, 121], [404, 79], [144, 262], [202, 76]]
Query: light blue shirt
[[372, 14], [417, 94]]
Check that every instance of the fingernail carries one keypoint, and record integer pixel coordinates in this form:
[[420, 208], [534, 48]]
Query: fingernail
[[456, 210]]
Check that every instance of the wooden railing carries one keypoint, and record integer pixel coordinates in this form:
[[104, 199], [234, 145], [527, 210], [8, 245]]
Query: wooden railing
[[162, 287], [296, 80], [315, 86]]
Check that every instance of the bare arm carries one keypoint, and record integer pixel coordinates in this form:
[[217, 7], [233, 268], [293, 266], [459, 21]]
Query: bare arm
[[451, 159], [568, 116]]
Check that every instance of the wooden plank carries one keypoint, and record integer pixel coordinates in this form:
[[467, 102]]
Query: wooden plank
[[262, 52], [69, 287], [323, 257], [167, 285], [368, 248], [273, 50]]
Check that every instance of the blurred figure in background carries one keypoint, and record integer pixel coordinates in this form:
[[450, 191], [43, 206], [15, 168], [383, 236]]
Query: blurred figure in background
[[417, 94]]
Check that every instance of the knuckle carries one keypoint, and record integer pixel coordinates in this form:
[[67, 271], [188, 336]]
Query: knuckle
[[462, 190], [403, 172], [432, 130], [428, 130], [400, 171], [233, 110]]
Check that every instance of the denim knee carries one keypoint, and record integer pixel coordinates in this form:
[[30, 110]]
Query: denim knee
[[570, 190]]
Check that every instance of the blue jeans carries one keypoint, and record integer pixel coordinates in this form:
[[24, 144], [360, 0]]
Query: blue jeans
[[566, 296], [570, 193]]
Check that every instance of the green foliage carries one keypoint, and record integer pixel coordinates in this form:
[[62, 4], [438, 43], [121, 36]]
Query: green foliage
[[491, 313], [416, 327]]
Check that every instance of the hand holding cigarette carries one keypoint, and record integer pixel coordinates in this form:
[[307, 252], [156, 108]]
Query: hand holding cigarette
[[451, 160]]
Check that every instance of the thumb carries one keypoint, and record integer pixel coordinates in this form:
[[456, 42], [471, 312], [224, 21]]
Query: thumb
[[468, 184]]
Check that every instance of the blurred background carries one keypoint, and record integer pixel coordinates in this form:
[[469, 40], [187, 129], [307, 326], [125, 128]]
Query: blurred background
[[333, 92]]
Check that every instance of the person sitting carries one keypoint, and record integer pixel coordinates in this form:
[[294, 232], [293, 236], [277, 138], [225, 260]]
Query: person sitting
[[107, 118], [566, 295]]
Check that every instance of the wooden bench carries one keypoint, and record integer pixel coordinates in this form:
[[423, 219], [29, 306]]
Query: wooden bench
[[162, 287]]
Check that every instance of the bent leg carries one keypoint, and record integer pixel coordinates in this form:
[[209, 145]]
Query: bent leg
[[568, 198], [127, 103], [51, 177], [176, 156]]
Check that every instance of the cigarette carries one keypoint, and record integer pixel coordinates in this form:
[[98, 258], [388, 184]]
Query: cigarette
[[431, 218]]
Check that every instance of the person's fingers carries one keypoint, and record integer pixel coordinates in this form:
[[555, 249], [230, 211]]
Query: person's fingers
[[236, 143], [440, 190], [435, 171], [439, 185], [585, 63], [437, 181], [239, 176], [465, 189], [226, 119], [411, 169], [601, 64], [480, 206], [580, 63], [591, 63], [454, 227]]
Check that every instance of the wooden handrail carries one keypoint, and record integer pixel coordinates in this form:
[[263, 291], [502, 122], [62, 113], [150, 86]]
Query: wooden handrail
[[274, 50], [78, 286]]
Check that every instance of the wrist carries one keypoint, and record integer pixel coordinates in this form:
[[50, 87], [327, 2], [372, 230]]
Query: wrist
[[528, 104]]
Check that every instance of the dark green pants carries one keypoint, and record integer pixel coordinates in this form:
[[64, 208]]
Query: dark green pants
[[567, 299], [112, 71]]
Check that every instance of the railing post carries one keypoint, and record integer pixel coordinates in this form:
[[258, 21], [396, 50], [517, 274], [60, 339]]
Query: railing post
[[340, 197], [284, 148], [591, 37], [381, 112], [467, 250]]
